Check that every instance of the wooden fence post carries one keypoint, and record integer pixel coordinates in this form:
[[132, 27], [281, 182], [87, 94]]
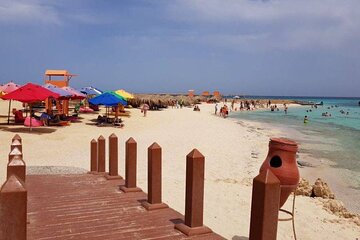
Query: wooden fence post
[[15, 152], [93, 156], [130, 167], [194, 198], [113, 158], [17, 167], [154, 179], [101, 155], [265, 205], [13, 195], [16, 144], [16, 137]]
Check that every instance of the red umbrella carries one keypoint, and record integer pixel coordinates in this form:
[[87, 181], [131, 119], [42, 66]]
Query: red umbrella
[[30, 93]]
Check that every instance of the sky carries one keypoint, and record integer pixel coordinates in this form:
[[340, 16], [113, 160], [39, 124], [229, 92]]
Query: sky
[[247, 47]]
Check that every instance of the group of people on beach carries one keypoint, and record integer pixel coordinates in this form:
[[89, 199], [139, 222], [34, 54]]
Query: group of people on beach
[[177, 104], [47, 118], [196, 108], [224, 111]]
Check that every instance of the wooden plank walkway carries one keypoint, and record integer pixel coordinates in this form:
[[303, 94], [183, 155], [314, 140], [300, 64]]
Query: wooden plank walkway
[[86, 206]]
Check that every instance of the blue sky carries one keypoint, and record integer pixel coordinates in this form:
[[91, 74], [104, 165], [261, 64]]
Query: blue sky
[[269, 47]]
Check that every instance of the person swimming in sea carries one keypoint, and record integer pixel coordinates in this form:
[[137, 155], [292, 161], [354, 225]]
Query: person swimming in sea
[[306, 119]]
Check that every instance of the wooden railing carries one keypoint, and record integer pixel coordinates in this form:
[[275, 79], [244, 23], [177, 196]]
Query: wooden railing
[[265, 195]]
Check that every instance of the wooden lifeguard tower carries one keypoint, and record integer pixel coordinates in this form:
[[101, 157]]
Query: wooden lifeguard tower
[[59, 78], [191, 93], [217, 94]]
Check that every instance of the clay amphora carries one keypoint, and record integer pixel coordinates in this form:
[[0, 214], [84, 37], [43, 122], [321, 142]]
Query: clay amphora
[[281, 160]]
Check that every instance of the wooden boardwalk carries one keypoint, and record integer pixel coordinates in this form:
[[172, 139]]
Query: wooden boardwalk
[[86, 206]]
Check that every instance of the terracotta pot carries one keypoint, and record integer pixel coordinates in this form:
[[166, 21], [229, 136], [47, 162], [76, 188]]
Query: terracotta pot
[[281, 160]]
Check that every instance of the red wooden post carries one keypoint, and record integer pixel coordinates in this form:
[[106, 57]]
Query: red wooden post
[[130, 167], [101, 155], [194, 198], [13, 195], [93, 156], [17, 167], [16, 144], [16, 137], [15, 152], [113, 158], [265, 206], [154, 179]]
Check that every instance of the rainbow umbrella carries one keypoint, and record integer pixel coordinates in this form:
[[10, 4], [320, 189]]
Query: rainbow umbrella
[[124, 94]]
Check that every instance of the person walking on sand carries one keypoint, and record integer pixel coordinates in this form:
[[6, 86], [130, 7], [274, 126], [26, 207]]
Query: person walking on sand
[[144, 109]]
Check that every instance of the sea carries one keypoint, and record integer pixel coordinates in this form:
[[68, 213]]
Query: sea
[[335, 137]]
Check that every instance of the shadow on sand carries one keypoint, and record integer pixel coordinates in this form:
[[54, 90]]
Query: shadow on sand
[[239, 238], [38, 131]]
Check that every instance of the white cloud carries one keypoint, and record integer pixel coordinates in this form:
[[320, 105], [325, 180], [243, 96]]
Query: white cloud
[[277, 24], [29, 12], [33, 12]]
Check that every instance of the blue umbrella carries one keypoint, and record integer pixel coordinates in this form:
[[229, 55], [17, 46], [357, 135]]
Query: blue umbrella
[[62, 92], [90, 91], [108, 99]]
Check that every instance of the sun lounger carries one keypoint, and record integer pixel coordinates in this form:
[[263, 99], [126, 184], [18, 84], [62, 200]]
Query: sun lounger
[[85, 110], [61, 123]]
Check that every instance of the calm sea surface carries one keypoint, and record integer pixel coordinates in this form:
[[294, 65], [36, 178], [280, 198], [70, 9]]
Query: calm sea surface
[[336, 138]]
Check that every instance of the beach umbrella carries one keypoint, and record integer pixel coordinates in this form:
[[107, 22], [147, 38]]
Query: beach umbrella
[[74, 93], [124, 94], [62, 92], [30, 93], [90, 91], [108, 99], [8, 88], [236, 97]]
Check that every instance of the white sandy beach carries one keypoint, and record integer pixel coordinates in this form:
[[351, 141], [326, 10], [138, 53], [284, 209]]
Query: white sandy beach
[[233, 154]]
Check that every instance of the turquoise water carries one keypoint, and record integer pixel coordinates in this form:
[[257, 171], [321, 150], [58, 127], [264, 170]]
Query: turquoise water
[[336, 138]]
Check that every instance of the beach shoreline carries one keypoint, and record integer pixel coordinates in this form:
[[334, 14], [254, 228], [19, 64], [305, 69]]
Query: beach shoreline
[[315, 167], [233, 154]]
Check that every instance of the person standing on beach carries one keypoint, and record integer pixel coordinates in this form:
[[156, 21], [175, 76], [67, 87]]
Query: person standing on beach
[[144, 109], [216, 108]]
